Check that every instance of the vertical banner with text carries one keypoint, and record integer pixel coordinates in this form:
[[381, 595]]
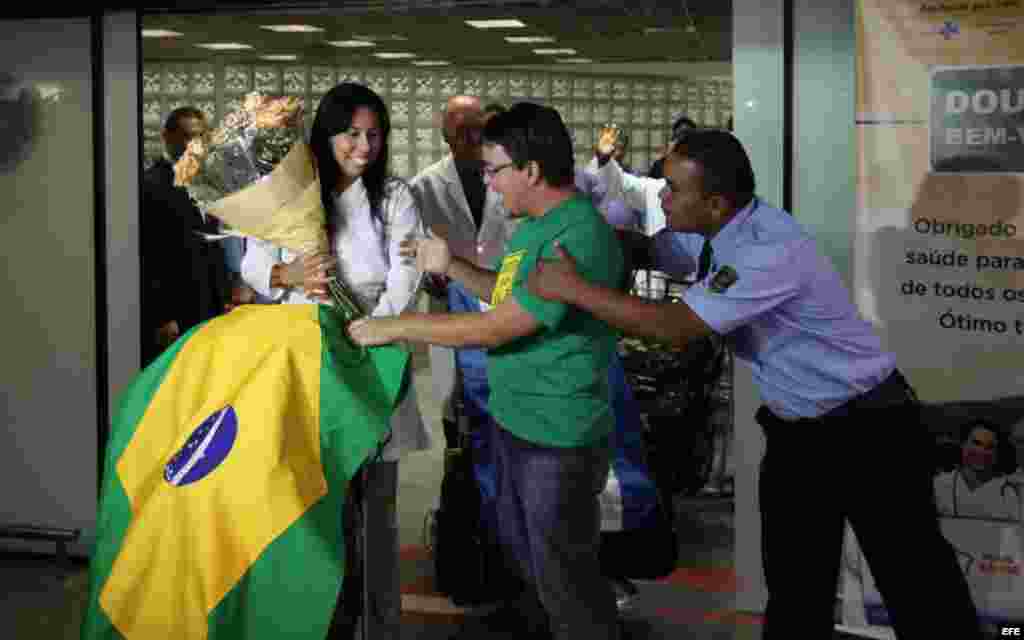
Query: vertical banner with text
[[939, 267]]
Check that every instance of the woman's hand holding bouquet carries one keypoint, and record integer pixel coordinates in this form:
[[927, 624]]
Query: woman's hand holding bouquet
[[257, 175]]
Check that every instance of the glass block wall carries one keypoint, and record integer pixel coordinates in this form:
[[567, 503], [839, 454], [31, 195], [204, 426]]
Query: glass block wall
[[643, 106]]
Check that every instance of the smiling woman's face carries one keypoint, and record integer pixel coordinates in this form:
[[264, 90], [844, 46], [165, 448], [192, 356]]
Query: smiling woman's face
[[360, 146]]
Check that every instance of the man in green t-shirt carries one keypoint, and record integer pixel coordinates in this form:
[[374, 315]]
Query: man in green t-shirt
[[547, 367]]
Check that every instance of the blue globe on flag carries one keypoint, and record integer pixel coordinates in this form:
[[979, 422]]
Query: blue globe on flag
[[204, 450]]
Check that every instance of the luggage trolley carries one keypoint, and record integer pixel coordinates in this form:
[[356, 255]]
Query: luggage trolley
[[691, 385]]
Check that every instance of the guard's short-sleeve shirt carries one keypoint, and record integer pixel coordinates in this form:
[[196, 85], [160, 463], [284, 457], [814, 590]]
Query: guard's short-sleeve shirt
[[784, 308]]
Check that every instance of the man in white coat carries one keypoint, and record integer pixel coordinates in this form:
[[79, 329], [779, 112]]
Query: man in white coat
[[456, 205]]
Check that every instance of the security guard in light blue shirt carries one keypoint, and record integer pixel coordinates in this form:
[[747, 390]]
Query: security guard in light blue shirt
[[837, 412], [784, 308]]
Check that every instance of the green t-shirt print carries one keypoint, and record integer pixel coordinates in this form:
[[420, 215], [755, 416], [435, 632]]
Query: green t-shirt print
[[551, 387]]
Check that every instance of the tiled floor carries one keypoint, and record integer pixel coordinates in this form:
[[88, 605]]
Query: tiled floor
[[43, 601], [696, 601]]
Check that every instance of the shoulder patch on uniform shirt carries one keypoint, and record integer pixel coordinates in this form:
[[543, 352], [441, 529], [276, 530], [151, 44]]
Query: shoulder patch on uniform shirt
[[724, 278]]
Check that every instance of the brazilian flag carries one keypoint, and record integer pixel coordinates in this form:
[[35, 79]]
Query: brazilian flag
[[225, 476]]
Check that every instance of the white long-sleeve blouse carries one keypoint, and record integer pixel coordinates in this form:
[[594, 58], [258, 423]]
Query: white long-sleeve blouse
[[366, 247]]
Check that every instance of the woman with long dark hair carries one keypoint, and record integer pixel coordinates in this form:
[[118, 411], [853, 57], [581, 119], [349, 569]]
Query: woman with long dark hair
[[368, 214]]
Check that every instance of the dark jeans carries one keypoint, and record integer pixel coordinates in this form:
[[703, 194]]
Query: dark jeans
[[549, 520], [867, 462]]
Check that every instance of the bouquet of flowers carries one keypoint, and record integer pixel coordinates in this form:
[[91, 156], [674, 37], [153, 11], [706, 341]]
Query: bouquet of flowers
[[255, 174]]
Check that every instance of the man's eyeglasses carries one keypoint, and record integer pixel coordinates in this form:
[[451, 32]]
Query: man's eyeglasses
[[490, 172]]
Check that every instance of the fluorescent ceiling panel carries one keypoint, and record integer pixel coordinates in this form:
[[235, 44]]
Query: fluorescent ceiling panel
[[160, 33], [496, 24], [351, 44], [225, 46], [292, 28]]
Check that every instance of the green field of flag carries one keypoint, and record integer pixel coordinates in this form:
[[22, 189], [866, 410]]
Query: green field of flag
[[225, 475]]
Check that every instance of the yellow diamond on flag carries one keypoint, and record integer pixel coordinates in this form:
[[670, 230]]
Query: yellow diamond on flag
[[243, 504]]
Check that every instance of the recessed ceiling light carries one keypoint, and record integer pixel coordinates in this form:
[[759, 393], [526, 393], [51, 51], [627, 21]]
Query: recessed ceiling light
[[496, 24], [394, 37], [574, 60], [351, 43], [394, 55], [292, 28], [225, 46], [283, 57], [160, 33], [555, 52], [431, 63], [528, 39]]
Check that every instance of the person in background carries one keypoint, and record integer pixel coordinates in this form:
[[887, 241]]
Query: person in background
[[823, 376], [638, 196], [679, 127], [369, 214], [457, 206], [184, 276]]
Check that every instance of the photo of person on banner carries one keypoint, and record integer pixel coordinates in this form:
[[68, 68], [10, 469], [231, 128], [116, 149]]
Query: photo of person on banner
[[980, 487], [977, 484]]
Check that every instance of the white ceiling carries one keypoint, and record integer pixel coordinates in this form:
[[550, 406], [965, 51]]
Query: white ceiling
[[604, 32]]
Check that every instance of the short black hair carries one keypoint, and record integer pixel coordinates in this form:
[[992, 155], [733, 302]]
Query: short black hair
[[534, 133], [174, 118], [1006, 452], [724, 163], [681, 124]]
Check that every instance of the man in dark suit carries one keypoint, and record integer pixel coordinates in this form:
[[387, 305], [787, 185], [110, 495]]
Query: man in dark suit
[[184, 276]]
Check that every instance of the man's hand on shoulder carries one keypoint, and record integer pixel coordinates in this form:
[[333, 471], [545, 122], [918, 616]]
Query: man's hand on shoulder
[[556, 279]]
